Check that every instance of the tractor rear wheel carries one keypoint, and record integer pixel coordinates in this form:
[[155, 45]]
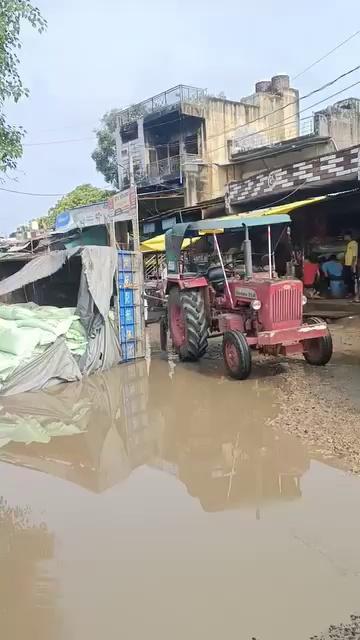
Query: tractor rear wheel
[[237, 355], [187, 323], [318, 351]]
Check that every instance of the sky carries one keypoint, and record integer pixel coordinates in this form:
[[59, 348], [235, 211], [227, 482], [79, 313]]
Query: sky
[[102, 54]]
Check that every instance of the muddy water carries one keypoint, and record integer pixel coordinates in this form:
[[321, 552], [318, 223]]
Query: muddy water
[[178, 513]]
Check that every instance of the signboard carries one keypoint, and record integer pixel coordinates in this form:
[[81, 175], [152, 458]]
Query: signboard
[[123, 205], [88, 216], [120, 207]]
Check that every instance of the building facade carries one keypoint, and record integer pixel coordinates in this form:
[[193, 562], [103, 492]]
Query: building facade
[[184, 139]]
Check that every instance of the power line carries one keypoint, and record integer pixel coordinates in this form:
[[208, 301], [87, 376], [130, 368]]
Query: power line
[[214, 135], [326, 55], [26, 193], [39, 144], [315, 104], [289, 104]]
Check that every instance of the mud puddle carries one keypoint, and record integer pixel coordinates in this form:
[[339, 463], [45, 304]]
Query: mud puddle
[[174, 511]]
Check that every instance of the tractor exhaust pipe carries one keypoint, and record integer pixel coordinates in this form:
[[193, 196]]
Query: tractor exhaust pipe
[[248, 255]]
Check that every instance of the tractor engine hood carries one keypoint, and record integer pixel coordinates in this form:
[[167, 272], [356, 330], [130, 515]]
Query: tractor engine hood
[[279, 303]]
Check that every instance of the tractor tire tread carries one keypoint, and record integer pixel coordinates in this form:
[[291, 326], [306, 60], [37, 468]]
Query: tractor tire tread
[[193, 305], [326, 347], [245, 360]]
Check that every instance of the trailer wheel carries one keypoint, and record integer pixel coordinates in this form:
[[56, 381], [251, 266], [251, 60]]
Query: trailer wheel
[[187, 323], [237, 355], [318, 351]]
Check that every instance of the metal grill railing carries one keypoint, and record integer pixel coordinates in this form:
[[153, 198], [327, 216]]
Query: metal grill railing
[[176, 95]]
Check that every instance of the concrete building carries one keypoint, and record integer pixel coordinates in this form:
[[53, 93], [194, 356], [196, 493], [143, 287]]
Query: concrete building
[[340, 122], [183, 139]]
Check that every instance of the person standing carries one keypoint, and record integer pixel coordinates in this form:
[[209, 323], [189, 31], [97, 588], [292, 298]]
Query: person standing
[[350, 262]]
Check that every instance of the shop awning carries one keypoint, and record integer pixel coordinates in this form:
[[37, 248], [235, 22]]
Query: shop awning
[[157, 243]]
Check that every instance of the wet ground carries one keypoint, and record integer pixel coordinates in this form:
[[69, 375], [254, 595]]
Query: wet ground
[[184, 508]]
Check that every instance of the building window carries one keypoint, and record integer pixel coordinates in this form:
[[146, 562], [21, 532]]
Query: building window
[[149, 227], [191, 144], [168, 224]]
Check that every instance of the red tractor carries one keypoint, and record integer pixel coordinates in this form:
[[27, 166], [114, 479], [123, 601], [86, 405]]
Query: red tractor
[[251, 310]]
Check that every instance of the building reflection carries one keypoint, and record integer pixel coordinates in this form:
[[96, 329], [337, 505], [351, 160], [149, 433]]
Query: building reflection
[[211, 434]]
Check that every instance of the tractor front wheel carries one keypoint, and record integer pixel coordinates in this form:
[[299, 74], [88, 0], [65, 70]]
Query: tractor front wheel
[[187, 323], [237, 355], [318, 351]]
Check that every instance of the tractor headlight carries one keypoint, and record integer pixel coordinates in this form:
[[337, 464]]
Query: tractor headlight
[[256, 305], [304, 300]]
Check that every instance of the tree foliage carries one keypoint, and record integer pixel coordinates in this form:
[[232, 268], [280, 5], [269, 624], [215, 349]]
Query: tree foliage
[[105, 153], [81, 195], [12, 14]]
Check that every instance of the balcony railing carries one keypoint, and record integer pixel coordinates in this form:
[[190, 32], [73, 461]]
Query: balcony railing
[[171, 97], [162, 168], [168, 168]]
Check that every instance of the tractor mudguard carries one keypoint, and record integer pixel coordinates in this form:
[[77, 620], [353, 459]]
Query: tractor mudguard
[[197, 282]]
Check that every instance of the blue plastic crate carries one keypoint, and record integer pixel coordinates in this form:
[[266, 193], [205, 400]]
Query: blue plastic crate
[[126, 278], [126, 298], [127, 332], [125, 261], [127, 316], [128, 350]]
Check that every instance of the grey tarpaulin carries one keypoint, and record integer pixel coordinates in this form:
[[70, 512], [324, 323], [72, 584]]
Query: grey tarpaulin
[[57, 363], [38, 268]]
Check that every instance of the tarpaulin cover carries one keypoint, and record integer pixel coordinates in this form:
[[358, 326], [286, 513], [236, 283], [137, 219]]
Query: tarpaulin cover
[[98, 408], [60, 360]]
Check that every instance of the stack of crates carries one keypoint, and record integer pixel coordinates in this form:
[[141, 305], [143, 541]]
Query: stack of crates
[[131, 307], [139, 438]]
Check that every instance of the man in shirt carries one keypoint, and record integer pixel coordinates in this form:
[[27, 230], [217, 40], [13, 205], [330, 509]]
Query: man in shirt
[[333, 272], [332, 268], [350, 262]]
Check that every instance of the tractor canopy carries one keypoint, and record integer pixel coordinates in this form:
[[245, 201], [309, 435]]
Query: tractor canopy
[[174, 237]]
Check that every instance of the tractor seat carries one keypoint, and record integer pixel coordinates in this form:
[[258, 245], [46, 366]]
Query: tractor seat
[[216, 278]]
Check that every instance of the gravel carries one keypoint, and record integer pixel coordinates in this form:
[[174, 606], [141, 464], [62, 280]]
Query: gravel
[[342, 631], [321, 405]]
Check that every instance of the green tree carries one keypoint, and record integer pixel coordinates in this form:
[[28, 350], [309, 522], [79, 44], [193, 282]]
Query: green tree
[[104, 155], [12, 14], [81, 195]]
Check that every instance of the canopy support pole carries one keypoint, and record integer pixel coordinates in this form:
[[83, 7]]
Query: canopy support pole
[[223, 269], [270, 252]]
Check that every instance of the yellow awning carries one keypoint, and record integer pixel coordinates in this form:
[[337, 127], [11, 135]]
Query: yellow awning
[[157, 243], [284, 208]]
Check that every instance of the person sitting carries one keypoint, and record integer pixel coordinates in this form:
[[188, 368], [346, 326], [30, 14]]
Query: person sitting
[[334, 273], [311, 275]]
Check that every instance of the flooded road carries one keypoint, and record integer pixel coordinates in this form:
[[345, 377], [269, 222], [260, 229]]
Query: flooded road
[[174, 511]]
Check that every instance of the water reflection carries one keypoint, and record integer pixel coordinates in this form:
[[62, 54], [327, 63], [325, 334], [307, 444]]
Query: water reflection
[[210, 433], [27, 592]]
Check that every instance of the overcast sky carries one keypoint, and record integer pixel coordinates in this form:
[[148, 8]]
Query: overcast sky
[[101, 54]]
